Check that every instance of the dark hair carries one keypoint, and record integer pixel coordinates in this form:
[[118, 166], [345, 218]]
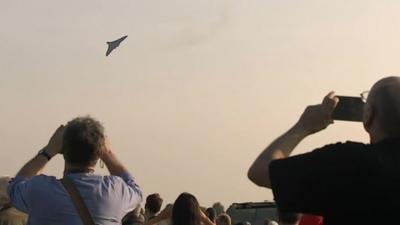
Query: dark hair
[[211, 214], [186, 210], [82, 141], [153, 203]]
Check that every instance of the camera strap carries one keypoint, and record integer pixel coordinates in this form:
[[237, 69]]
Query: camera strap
[[76, 198]]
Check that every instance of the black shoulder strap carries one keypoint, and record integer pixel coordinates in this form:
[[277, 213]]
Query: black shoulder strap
[[78, 201]]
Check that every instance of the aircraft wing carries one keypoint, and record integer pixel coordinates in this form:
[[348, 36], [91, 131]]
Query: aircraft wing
[[114, 44], [109, 49]]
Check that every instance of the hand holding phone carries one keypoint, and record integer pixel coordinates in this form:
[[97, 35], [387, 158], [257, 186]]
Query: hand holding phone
[[317, 117], [349, 109]]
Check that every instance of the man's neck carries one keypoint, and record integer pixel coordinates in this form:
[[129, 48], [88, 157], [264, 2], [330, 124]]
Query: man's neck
[[78, 169]]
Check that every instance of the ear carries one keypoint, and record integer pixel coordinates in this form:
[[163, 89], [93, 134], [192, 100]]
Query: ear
[[368, 117]]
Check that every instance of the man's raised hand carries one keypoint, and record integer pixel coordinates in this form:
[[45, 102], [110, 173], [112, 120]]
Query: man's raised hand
[[54, 146], [317, 117]]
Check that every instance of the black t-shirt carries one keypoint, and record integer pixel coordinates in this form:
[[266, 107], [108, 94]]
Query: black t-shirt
[[346, 183]]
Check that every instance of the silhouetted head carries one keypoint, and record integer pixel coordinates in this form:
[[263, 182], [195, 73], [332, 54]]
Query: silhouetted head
[[186, 210], [153, 203], [219, 208], [382, 109], [211, 214], [223, 219], [83, 141]]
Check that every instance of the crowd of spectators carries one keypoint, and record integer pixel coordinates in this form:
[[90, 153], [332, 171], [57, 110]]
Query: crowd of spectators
[[303, 186]]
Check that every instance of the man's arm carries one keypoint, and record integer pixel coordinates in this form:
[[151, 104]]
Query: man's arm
[[164, 215], [282, 147], [34, 166], [114, 166], [204, 219], [19, 188], [314, 119]]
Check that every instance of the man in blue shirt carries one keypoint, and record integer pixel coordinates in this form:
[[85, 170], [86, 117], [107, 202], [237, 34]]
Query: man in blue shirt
[[82, 143]]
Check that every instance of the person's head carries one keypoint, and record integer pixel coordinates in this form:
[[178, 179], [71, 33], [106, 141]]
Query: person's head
[[382, 109], [267, 221], [83, 141], [186, 210], [211, 214], [272, 223], [219, 208], [4, 199], [134, 217], [153, 203], [12, 216], [223, 219], [9, 214]]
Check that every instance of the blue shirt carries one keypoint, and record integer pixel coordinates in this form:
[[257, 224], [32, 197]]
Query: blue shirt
[[45, 199]]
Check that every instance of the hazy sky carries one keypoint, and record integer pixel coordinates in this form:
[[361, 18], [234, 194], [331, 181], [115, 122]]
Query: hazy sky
[[198, 88]]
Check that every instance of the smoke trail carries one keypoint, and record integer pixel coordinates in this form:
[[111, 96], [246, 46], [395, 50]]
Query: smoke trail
[[197, 32]]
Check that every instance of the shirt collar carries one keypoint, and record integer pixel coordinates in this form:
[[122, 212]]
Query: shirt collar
[[80, 171], [389, 142]]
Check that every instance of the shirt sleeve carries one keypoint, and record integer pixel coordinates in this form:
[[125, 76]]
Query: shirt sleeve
[[315, 182], [19, 193], [131, 192]]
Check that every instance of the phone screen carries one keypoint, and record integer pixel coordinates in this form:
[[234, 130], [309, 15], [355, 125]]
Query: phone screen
[[349, 109]]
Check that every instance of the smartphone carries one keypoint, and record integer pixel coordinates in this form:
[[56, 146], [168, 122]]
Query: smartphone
[[349, 109]]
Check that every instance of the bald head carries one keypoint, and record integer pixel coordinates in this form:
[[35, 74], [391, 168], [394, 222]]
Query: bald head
[[383, 108]]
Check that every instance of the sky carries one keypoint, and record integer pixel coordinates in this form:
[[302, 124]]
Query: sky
[[197, 90]]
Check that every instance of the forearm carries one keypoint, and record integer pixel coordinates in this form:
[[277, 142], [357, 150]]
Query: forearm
[[282, 147], [158, 219], [113, 165], [33, 167], [164, 215], [36, 165], [204, 219], [207, 221], [314, 119]]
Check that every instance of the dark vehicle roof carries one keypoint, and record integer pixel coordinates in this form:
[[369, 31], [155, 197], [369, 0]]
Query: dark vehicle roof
[[253, 212]]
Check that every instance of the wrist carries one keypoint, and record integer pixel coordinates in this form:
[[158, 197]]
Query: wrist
[[106, 155], [299, 131], [52, 151], [45, 153]]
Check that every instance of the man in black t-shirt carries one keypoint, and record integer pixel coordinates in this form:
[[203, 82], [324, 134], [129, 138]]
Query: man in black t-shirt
[[346, 183]]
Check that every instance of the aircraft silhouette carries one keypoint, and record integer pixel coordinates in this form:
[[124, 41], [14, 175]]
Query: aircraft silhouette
[[114, 44]]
